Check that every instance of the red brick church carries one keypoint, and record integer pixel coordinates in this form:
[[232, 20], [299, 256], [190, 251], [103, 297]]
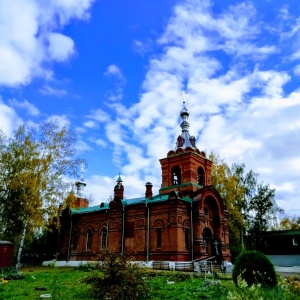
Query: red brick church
[[187, 220]]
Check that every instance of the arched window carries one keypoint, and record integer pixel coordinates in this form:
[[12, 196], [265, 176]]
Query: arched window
[[176, 175], [103, 238], [159, 225], [187, 238], [158, 237], [75, 238], [89, 238], [187, 234], [201, 178]]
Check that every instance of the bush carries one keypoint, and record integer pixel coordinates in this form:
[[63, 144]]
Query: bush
[[88, 266], [122, 279], [255, 268]]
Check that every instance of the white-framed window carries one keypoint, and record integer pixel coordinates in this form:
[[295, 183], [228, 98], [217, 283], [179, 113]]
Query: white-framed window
[[103, 238]]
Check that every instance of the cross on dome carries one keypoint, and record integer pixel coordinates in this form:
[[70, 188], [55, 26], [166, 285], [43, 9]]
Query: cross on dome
[[183, 94]]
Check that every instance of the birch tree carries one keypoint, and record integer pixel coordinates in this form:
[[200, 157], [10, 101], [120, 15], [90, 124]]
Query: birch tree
[[33, 163]]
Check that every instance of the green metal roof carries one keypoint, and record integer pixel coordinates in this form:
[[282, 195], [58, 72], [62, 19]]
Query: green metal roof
[[126, 202], [281, 232]]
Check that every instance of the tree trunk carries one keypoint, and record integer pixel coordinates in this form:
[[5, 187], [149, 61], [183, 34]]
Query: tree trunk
[[18, 265]]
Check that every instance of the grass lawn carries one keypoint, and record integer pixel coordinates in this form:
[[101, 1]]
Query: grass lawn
[[65, 283], [61, 283]]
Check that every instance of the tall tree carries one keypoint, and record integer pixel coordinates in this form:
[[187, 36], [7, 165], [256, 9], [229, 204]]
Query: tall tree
[[34, 163], [251, 204], [288, 223]]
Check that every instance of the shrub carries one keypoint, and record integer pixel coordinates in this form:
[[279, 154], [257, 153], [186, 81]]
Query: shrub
[[121, 279], [88, 266], [255, 268]]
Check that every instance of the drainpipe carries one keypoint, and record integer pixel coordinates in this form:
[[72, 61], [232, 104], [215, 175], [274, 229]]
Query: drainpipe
[[148, 233], [107, 227], [69, 244], [123, 228], [192, 233]]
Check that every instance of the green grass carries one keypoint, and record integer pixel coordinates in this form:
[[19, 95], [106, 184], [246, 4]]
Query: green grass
[[61, 283], [65, 283]]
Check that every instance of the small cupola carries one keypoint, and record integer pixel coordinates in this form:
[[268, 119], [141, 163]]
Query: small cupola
[[80, 184], [119, 189], [185, 140]]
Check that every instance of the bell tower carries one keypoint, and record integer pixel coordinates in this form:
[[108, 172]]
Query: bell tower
[[186, 168]]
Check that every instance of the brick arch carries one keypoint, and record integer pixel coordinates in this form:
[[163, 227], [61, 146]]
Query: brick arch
[[89, 227], [159, 223], [176, 175], [209, 192], [186, 223]]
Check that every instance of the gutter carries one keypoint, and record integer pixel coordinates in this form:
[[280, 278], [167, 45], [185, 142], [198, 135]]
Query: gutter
[[148, 233], [192, 233], [69, 244], [123, 228]]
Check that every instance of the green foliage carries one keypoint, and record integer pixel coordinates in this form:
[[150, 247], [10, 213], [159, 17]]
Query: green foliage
[[66, 283], [255, 268], [89, 266], [251, 205], [40, 247], [291, 285], [122, 279], [288, 223], [33, 163], [254, 292]]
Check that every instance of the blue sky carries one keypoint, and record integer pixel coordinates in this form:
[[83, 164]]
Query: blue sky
[[114, 70]]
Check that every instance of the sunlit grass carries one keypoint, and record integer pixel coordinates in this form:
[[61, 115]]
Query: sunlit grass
[[61, 283]]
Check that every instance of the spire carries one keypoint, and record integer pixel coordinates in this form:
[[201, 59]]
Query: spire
[[119, 180], [80, 184], [185, 140], [119, 189]]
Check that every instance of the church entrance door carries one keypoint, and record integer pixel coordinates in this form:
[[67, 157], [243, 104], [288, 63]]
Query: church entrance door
[[207, 237]]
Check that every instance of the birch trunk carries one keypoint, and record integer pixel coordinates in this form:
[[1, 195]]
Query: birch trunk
[[18, 265]]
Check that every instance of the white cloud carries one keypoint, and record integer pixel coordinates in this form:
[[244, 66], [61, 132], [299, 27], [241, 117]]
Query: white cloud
[[113, 70], [240, 110], [9, 119], [90, 124], [29, 37], [142, 47], [48, 90], [60, 47], [29, 107], [61, 120], [99, 115], [82, 146], [297, 70], [101, 143]]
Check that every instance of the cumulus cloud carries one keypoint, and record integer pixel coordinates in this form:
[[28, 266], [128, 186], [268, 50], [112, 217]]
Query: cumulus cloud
[[25, 105], [9, 119], [116, 94], [31, 38], [61, 120], [239, 109], [113, 70], [60, 47]]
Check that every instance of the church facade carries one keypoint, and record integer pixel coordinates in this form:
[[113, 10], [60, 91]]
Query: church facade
[[187, 220]]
